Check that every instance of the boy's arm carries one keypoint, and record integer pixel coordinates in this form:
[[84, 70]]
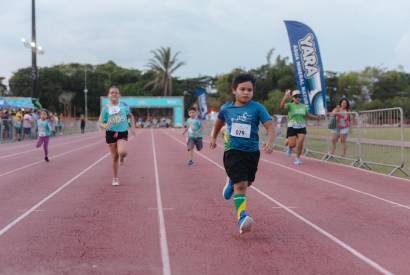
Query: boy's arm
[[186, 126], [185, 129], [270, 129], [219, 123]]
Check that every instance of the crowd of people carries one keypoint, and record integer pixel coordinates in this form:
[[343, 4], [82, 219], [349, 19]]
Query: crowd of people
[[153, 122], [20, 124]]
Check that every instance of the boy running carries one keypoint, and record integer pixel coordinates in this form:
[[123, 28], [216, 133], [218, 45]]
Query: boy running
[[194, 127], [241, 143]]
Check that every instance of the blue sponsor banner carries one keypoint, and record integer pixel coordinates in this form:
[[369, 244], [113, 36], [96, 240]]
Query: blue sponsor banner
[[203, 107], [308, 66], [20, 102]]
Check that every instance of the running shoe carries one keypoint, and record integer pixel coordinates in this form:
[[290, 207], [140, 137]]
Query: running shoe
[[115, 181], [46, 159], [297, 161], [289, 152], [190, 162], [228, 189], [245, 223]]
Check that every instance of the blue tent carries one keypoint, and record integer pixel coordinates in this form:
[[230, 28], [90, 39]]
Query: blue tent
[[3, 103]]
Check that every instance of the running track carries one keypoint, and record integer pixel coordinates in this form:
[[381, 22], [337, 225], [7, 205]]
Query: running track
[[64, 217]]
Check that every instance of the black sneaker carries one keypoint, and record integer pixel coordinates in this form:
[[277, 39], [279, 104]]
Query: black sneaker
[[46, 159]]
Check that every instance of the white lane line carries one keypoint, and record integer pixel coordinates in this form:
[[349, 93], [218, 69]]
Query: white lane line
[[51, 147], [166, 267], [344, 245], [58, 190], [51, 158], [334, 183]]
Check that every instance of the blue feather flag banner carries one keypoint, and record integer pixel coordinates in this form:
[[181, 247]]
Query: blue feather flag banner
[[203, 107], [308, 67]]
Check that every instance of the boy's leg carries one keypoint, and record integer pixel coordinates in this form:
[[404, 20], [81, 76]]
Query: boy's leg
[[190, 147], [239, 197], [241, 167], [240, 201], [199, 144]]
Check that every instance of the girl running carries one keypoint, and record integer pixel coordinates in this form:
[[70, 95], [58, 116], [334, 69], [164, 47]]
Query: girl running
[[44, 131], [114, 120]]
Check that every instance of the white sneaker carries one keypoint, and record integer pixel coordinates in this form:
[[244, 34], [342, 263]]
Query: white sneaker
[[245, 225], [115, 181]]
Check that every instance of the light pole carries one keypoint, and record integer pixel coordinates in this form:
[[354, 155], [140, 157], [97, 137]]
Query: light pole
[[85, 95], [34, 50]]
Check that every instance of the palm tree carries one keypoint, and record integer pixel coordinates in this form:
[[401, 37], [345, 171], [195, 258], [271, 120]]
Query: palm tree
[[163, 64]]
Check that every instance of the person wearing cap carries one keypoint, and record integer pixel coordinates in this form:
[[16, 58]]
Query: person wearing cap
[[297, 114]]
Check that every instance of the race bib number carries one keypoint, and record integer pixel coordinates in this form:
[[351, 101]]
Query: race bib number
[[241, 130], [115, 118]]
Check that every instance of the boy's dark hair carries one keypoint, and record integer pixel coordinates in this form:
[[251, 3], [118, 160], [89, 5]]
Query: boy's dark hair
[[192, 109], [243, 78]]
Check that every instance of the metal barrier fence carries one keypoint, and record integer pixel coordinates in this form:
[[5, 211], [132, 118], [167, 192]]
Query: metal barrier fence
[[383, 141], [324, 138], [375, 140]]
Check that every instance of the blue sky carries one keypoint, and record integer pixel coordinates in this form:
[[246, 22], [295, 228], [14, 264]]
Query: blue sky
[[213, 36]]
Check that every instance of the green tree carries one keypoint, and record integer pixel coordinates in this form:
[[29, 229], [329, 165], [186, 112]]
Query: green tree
[[273, 102], [391, 84], [163, 64], [20, 82], [3, 87]]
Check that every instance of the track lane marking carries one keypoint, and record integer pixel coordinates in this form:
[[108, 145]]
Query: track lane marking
[[342, 244], [166, 267]]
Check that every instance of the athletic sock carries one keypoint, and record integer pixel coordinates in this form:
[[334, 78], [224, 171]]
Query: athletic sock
[[240, 205]]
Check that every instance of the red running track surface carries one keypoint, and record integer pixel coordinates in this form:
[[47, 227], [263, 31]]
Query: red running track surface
[[64, 217]]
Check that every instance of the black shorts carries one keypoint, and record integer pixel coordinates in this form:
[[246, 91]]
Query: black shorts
[[113, 137], [241, 165], [194, 142], [292, 132]]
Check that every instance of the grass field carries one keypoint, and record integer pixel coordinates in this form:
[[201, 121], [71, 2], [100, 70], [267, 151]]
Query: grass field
[[370, 133]]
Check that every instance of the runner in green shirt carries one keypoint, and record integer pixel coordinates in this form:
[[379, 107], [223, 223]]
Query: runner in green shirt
[[297, 114]]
